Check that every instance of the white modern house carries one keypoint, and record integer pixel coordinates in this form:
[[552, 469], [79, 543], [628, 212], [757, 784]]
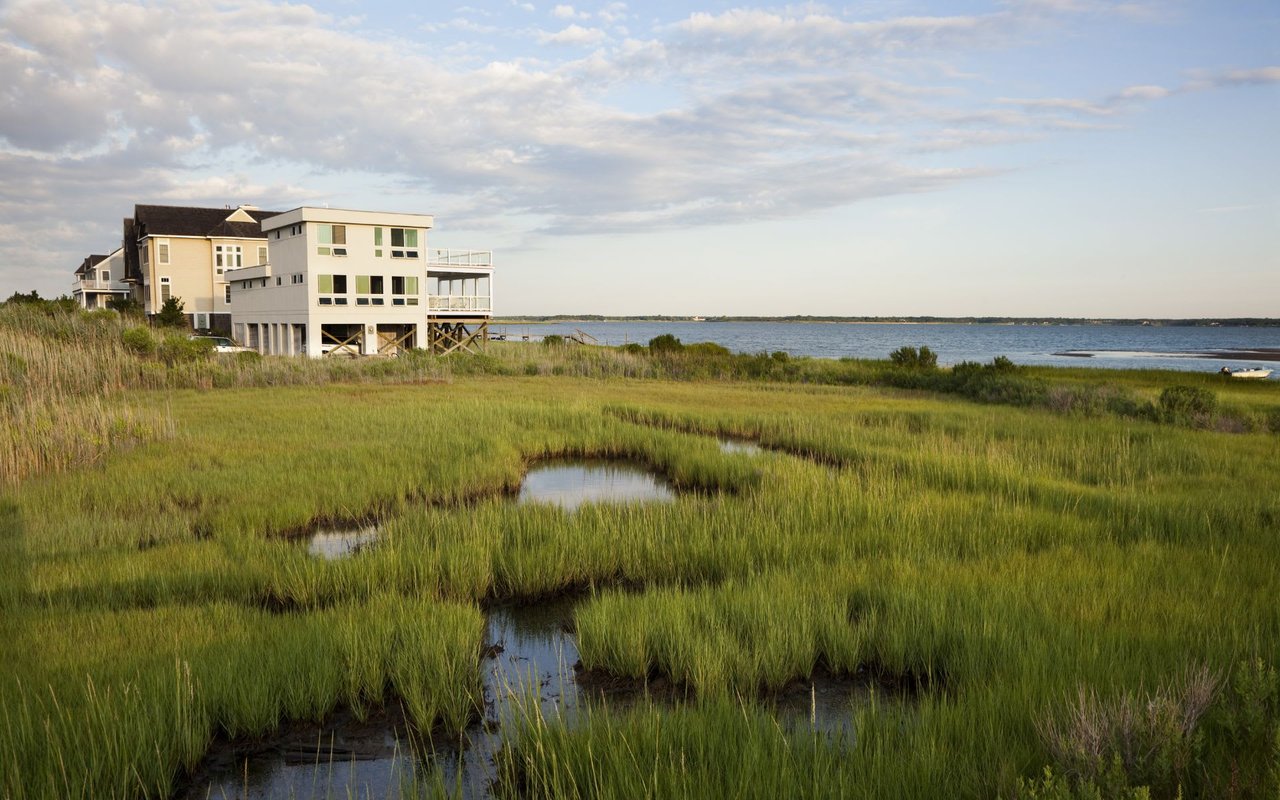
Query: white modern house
[[344, 282]]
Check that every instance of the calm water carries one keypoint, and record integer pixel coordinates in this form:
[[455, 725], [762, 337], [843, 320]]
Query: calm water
[[533, 655], [569, 484], [1115, 346]]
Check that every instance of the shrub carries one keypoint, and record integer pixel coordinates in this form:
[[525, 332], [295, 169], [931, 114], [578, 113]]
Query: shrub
[[553, 340], [171, 315], [634, 348], [178, 349], [665, 343], [1187, 404], [1131, 740], [125, 305], [911, 358], [781, 356], [138, 340], [708, 350]]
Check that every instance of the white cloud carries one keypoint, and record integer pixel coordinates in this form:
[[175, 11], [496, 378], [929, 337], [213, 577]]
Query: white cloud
[[751, 114], [573, 35], [568, 12]]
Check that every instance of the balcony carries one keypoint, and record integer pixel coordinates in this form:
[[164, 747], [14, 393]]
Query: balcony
[[459, 302], [96, 285], [472, 259]]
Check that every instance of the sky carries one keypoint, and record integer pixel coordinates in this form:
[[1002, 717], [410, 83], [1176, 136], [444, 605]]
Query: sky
[[1078, 158]]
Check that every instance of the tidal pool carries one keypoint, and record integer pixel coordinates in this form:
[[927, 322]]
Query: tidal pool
[[570, 484], [746, 448], [530, 653], [331, 544]]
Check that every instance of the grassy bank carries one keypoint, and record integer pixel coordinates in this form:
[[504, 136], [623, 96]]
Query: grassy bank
[[995, 559]]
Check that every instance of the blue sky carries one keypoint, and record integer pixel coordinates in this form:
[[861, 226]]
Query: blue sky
[[1050, 157]]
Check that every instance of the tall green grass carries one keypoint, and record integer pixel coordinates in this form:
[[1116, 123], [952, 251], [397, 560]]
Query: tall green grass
[[160, 594]]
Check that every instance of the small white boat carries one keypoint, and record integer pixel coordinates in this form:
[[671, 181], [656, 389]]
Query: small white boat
[[1253, 372]]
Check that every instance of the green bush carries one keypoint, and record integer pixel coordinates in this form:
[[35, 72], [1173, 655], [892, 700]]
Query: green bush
[[708, 350], [912, 358], [178, 349], [665, 343], [634, 348], [171, 315], [554, 340], [138, 340], [1187, 404]]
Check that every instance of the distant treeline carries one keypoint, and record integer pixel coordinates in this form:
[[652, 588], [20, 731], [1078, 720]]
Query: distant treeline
[[1248, 322]]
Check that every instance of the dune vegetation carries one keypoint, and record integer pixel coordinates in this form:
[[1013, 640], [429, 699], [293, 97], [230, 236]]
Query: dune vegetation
[[1055, 583]]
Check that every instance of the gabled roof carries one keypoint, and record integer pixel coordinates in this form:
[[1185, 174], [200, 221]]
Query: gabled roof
[[239, 222], [88, 263]]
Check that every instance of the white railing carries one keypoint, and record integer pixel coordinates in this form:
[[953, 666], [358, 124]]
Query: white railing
[[458, 302], [98, 285], [460, 258]]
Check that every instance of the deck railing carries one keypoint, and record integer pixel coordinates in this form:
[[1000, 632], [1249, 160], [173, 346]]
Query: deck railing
[[460, 258], [458, 302], [94, 284]]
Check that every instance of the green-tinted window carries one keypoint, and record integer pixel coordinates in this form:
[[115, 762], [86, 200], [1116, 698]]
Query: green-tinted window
[[411, 284], [377, 237], [362, 284], [326, 234], [325, 284], [411, 238]]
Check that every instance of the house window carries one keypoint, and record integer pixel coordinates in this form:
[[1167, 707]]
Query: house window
[[226, 293], [104, 275], [297, 278], [404, 243], [404, 284], [333, 240], [262, 254], [227, 256], [279, 280], [377, 242], [165, 288], [202, 322], [331, 284], [162, 251], [376, 284]]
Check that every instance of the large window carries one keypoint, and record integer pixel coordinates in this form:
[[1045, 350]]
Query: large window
[[404, 243], [162, 251], [227, 256], [332, 239], [166, 289], [331, 284], [262, 254], [404, 285]]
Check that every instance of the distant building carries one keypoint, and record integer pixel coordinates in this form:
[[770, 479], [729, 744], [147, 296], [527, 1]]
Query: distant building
[[185, 252], [343, 282], [100, 279]]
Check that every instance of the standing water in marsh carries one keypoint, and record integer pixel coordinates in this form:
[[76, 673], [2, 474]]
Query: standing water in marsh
[[569, 484], [332, 544]]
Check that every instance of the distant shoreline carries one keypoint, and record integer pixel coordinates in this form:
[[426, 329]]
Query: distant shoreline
[[1224, 322]]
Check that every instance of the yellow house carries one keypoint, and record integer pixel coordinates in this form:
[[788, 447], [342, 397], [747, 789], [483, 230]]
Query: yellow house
[[185, 252]]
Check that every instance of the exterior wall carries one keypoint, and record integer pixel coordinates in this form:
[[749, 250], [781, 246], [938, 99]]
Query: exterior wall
[[272, 317], [188, 272], [193, 273]]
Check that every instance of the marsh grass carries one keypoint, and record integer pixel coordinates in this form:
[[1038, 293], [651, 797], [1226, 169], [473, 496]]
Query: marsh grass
[[991, 559]]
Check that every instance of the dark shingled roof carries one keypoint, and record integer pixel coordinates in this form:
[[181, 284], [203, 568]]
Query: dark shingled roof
[[189, 221], [91, 261], [185, 221]]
